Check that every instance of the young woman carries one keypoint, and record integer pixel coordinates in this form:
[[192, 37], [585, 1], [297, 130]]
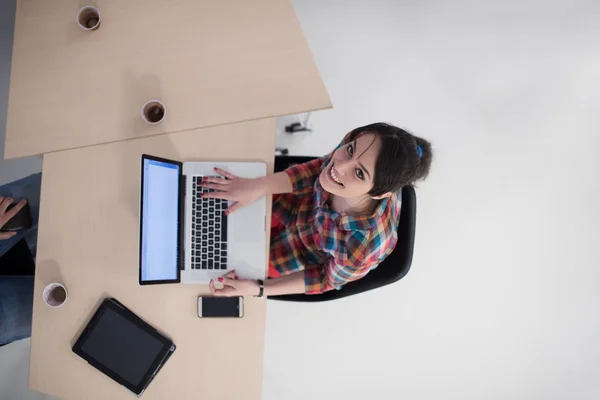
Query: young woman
[[334, 218]]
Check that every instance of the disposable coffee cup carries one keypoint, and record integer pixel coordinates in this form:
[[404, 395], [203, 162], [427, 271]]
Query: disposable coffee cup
[[88, 18], [55, 295], [153, 112]]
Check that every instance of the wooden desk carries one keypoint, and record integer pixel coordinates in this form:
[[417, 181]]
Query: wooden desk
[[211, 63], [88, 240]]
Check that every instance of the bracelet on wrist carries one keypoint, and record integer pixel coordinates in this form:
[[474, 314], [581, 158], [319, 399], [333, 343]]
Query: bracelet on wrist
[[261, 288]]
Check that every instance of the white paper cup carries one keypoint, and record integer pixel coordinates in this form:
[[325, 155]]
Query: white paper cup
[[153, 112], [88, 18], [55, 295]]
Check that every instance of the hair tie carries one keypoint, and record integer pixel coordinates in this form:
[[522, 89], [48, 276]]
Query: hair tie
[[420, 151]]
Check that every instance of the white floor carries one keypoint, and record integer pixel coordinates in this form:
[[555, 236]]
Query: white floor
[[502, 299], [14, 373]]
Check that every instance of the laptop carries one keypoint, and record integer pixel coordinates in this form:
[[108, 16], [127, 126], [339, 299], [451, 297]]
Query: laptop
[[185, 238]]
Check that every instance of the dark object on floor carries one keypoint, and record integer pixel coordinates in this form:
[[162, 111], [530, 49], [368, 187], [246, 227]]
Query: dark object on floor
[[296, 127], [20, 221], [18, 260], [392, 269]]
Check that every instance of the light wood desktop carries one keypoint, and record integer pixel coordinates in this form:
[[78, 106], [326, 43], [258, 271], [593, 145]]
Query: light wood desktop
[[88, 240], [210, 62]]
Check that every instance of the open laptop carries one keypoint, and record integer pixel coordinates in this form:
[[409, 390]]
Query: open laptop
[[187, 238]]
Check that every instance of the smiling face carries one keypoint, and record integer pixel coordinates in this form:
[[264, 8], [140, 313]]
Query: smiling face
[[351, 170]]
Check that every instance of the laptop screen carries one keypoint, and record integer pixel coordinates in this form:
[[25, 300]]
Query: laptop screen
[[160, 221]]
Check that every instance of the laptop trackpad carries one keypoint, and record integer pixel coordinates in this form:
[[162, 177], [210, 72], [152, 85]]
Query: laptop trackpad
[[248, 224]]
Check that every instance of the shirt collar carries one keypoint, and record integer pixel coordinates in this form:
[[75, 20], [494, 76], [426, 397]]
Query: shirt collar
[[385, 209]]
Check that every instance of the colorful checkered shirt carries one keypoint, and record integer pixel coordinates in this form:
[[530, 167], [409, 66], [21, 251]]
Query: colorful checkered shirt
[[332, 249]]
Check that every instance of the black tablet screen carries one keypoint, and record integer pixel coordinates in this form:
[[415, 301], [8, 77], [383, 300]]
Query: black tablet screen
[[122, 347]]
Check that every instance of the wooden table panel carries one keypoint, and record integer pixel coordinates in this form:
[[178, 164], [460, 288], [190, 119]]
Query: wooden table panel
[[210, 62], [88, 240]]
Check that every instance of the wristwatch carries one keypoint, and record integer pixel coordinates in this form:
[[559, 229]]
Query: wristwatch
[[261, 286]]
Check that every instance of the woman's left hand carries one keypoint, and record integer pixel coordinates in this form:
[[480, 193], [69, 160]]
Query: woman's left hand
[[232, 286]]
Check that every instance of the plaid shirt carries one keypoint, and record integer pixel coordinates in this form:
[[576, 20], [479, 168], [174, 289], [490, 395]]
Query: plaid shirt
[[332, 249]]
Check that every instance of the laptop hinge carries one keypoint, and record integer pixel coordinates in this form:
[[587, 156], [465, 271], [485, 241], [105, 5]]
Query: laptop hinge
[[182, 195]]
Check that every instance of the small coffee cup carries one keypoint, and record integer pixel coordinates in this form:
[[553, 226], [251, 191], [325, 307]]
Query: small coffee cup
[[153, 112], [88, 18], [55, 295]]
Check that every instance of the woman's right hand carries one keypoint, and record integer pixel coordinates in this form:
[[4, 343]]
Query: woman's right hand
[[242, 191]]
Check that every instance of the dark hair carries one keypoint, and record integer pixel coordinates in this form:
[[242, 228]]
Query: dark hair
[[400, 162]]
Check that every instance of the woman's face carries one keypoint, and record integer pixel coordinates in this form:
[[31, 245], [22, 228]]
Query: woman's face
[[351, 170]]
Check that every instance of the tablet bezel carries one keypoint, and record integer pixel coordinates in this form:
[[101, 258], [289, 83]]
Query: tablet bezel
[[114, 305]]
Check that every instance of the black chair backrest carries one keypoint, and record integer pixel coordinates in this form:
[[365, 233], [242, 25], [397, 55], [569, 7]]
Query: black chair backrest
[[392, 269]]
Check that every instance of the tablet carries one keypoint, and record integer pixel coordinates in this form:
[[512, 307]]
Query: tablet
[[123, 347]]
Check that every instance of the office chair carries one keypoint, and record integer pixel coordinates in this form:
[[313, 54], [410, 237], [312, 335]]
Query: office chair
[[392, 269]]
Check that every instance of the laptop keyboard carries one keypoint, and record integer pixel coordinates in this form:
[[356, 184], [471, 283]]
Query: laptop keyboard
[[209, 229]]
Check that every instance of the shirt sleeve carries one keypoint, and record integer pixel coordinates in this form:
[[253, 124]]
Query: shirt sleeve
[[354, 259], [303, 176]]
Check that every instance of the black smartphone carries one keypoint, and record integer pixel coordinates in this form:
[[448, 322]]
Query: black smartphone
[[22, 220], [232, 307]]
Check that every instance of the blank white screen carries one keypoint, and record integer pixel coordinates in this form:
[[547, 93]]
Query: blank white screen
[[160, 221]]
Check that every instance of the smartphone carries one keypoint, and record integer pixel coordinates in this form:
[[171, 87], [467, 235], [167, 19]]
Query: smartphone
[[220, 307], [21, 220]]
